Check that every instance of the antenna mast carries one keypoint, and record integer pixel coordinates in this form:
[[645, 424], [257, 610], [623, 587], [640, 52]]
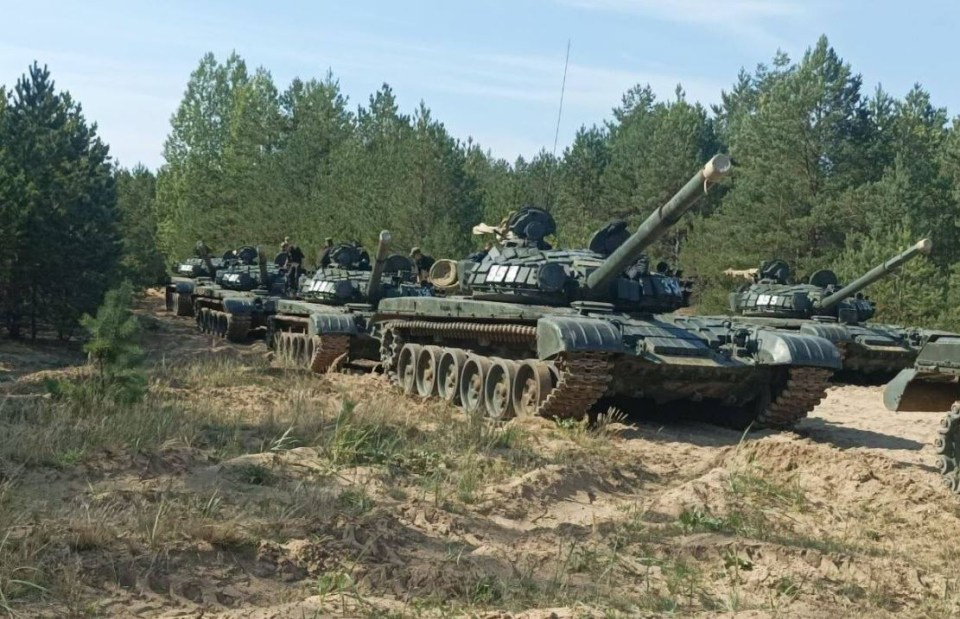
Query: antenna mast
[[563, 87]]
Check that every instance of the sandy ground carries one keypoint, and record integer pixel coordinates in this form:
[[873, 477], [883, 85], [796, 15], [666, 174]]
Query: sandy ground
[[846, 515]]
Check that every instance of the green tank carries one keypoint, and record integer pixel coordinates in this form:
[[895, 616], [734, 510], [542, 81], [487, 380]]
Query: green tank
[[933, 384], [232, 305], [838, 313], [329, 320], [201, 268], [532, 330]]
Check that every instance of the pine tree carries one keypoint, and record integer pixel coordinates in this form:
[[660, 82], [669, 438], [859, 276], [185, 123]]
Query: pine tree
[[62, 213], [142, 262], [113, 351]]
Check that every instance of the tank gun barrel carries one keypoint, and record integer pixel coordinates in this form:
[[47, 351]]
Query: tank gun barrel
[[658, 222], [376, 273], [262, 263], [921, 247]]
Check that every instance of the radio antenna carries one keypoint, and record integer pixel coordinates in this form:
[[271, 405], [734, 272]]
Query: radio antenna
[[563, 87]]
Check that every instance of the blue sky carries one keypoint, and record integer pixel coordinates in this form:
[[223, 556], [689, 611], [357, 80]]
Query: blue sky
[[491, 70]]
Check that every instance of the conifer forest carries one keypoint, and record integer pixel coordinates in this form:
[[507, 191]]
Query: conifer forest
[[829, 172]]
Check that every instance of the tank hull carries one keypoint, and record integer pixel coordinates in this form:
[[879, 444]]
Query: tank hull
[[637, 357], [871, 352], [230, 314], [314, 336]]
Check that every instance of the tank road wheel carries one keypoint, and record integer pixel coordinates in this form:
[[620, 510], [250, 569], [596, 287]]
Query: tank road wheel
[[184, 304], [203, 319], [311, 348], [428, 361], [300, 350], [222, 324], [296, 353], [283, 346], [472, 382], [947, 447], [533, 383], [169, 300], [407, 368], [498, 389], [448, 375]]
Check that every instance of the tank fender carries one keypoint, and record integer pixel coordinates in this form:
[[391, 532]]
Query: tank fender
[[182, 287], [558, 334], [238, 306], [330, 324], [780, 348], [832, 332]]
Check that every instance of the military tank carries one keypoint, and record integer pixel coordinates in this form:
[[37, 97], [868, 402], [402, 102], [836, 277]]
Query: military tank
[[822, 307], [530, 330], [933, 384], [329, 320], [178, 294], [233, 303]]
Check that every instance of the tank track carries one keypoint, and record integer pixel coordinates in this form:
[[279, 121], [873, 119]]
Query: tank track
[[805, 388], [237, 328], [327, 349], [582, 378], [182, 304], [947, 448]]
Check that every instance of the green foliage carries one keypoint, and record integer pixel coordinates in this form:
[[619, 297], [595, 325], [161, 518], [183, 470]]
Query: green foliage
[[59, 238], [826, 176], [113, 351], [142, 262]]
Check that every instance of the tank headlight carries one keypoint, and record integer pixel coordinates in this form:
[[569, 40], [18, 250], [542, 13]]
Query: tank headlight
[[551, 277]]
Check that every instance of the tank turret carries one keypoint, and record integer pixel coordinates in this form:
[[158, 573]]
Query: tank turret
[[204, 254], [822, 297], [874, 274], [612, 271], [658, 222]]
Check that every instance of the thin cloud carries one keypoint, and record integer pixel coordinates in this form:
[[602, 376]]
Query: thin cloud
[[752, 20]]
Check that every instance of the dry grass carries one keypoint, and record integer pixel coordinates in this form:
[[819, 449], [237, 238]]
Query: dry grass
[[235, 484]]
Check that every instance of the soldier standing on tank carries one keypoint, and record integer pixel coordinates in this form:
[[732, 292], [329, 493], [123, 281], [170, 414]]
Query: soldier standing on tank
[[324, 258], [423, 263], [363, 263], [281, 258], [294, 263]]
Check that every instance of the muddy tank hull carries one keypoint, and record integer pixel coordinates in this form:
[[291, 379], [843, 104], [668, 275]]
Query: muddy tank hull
[[507, 359], [872, 353], [314, 336], [233, 315]]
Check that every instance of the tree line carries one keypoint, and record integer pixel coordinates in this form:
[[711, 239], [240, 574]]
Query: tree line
[[827, 175]]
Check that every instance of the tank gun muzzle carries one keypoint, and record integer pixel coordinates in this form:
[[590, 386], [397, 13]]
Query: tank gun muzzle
[[658, 222], [921, 247]]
